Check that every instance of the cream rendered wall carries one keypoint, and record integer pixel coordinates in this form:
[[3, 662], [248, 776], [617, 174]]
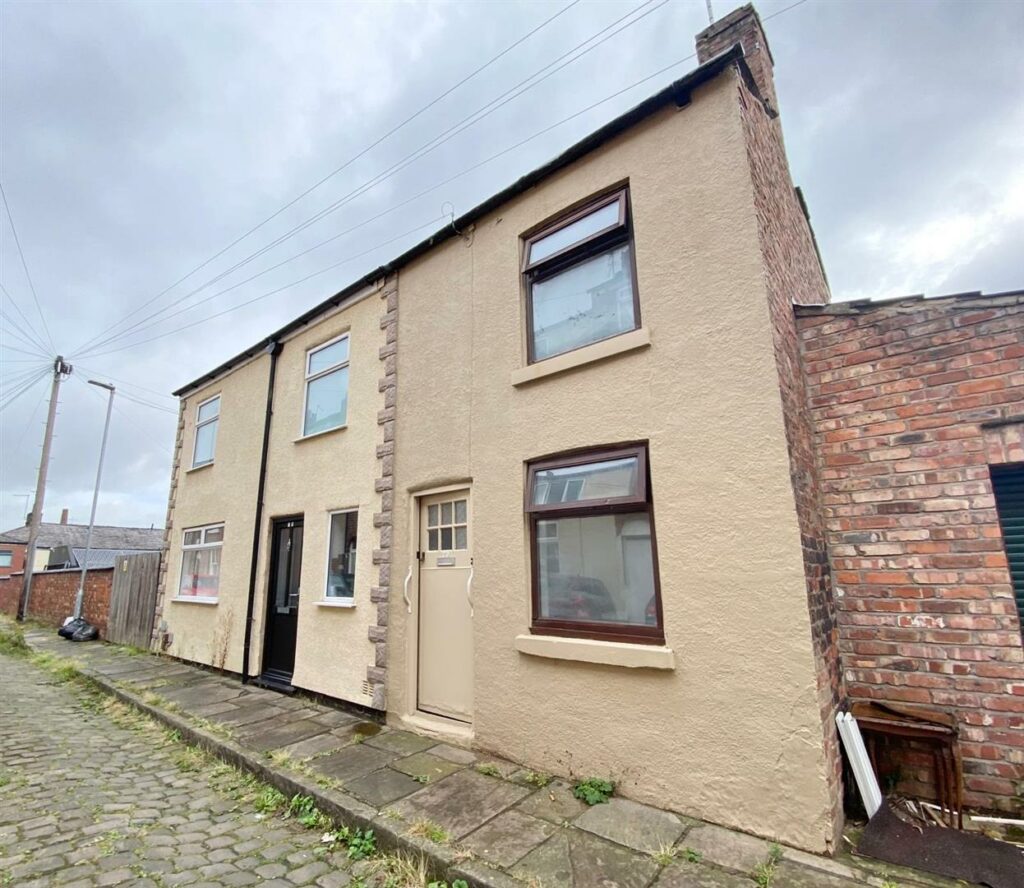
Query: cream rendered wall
[[732, 734], [312, 477], [223, 491]]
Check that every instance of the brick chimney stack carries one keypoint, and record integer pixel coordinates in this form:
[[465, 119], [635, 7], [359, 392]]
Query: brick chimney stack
[[63, 516], [742, 26]]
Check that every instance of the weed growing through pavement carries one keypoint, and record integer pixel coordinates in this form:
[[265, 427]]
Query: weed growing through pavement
[[665, 854], [594, 790], [692, 855], [764, 872], [12, 642], [427, 829], [489, 769], [536, 778]]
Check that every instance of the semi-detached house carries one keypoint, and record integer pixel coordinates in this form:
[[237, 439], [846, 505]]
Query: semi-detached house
[[545, 484]]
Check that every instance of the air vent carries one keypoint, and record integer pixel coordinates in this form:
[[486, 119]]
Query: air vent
[[367, 689]]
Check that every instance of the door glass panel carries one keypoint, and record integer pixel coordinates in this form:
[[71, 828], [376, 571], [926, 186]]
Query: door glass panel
[[460, 511], [432, 540], [281, 574], [446, 513], [460, 538], [446, 537], [432, 512]]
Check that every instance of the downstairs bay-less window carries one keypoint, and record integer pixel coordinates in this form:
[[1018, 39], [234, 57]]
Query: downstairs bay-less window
[[326, 405], [200, 562], [595, 571], [580, 278], [341, 556]]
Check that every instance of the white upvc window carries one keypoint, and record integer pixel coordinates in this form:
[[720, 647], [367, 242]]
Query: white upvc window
[[207, 419], [326, 402], [343, 527], [200, 563]]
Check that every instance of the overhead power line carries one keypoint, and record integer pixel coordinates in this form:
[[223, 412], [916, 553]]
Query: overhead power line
[[19, 390], [36, 339], [361, 153], [464, 172], [24, 265], [276, 290], [426, 148]]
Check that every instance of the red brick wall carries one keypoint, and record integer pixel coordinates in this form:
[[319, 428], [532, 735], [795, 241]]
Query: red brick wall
[[10, 589], [793, 273], [899, 392], [17, 551], [53, 596]]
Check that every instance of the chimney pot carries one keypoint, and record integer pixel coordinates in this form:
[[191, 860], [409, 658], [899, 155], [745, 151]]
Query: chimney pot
[[742, 26], [63, 516]]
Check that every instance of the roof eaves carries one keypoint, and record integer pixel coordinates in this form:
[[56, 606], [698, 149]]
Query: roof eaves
[[678, 92]]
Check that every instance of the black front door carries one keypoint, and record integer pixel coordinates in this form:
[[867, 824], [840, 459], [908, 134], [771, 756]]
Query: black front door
[[283, 600]]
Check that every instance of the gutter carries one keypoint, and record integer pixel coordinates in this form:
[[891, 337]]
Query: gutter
[[273, 349]]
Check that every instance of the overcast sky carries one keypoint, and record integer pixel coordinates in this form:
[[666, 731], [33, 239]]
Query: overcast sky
[[139, 139]]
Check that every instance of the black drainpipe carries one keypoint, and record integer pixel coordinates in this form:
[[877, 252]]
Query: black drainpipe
[[273, 349]]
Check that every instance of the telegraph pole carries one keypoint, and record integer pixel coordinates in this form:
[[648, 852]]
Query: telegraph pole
[[60, 371]]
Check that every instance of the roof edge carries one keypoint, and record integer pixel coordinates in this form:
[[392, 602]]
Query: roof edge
[[973, 299], [677, 92]]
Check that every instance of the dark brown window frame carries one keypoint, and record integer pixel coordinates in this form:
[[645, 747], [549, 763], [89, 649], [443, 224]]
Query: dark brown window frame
[[578, 252], [639, 500]]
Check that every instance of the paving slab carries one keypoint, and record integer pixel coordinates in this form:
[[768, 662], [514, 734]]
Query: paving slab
[[508, 838], [427, 766], [733, 850], [276, 735], [793, 875], [453, 753], [576, 859], [239, 716], [636, 826], [352, 761], [318, 744], [462, 802], [401, 742], [335, 718], [382, 787], [214, 709], [201, 694], [681, 874], [555, 802]]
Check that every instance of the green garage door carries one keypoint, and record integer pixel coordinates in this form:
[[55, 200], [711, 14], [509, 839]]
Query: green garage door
[[1008, 485]]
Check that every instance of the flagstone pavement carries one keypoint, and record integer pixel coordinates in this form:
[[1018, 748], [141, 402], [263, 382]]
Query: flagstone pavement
[[476, 817]]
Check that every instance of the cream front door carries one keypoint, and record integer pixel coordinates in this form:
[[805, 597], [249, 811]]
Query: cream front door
[[445, 606]]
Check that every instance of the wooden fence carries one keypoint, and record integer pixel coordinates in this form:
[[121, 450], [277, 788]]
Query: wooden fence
[[133, 599]]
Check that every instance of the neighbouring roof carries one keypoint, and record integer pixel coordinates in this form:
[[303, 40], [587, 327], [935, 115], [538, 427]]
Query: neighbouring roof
[[115, 538], [100, 559], [676, 93], [973, 300]]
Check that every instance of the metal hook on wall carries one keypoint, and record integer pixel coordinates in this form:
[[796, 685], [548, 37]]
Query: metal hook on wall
[[450, 213]]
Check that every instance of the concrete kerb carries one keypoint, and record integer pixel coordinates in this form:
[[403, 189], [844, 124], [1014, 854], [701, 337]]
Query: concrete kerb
[[443, 862]]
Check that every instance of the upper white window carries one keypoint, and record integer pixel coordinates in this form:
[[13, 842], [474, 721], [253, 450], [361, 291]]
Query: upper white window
[[200, 562], [207, 418], [326, 405]]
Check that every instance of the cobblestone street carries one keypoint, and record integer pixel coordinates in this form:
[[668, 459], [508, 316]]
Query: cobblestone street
[[92, 795]]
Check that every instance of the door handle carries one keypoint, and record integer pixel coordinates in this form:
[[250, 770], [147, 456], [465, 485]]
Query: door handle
[[469, 590], [405, 591]]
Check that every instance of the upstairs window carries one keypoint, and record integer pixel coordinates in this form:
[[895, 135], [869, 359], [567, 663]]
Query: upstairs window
[[200, 562], [207, 418], [326, 404], [580, 278], [6, 557], [595, 571]]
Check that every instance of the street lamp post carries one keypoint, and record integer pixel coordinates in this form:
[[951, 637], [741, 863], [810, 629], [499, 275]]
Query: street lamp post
[[95, 496]]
